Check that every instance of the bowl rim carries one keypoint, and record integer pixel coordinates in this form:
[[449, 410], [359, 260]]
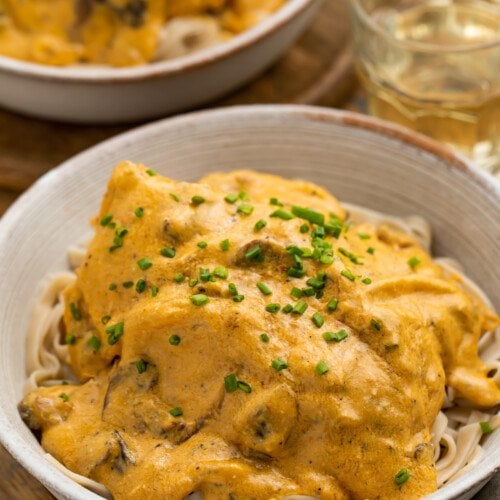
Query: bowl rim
[[12, 441], [161, 69]]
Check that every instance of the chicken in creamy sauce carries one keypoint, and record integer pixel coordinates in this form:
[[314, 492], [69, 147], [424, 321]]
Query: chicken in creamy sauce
[[237, 337], [121, 32]]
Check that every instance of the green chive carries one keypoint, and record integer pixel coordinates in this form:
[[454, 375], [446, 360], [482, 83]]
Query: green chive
[[75, 312], [295, 273], [335, 336], [245, 209], [139, 212], [414, 262], [121, 231], [353, 258], [282, 214], [308, 292], [95, 343], [115, 332], [232, 289], [300, 307], [309, 215], [264, 337], [242, 195], [174, 340], [168, 252], [128, 284], [70, 339], [296, 293], [255, 253], [230, 382], [370, 250], [221, 272], [64, 397], [105, 319], [197, 200], [199, 299], [366, 281], [140, 286], [264, 288], [279, 364], [275, 202], [174, 197], [106, 220], [202, 244], [238, 298], [224, 245], [176, 412], [321, 368], [260, 224], [273, 308], [231, 198], [287, 309], [304, 228], [332, 305], [326, 259], [179, 278], [205, 275], [243, 386], [318, 320], [141, 366], [486, 427], [112, 286], [154, 291], [348, 274], [376, 325], [401, 477], [364, 236], [144, 264], [192, 282], [151, 172]]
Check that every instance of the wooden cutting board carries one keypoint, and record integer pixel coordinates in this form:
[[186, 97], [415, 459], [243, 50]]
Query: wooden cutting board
[[316, 70]]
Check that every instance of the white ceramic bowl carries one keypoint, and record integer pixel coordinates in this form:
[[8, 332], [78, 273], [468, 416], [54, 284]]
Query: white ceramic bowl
[[360, 159], [111, 95]]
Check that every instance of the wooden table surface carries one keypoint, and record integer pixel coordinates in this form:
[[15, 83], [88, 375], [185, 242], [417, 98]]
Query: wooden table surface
[[316, 70]]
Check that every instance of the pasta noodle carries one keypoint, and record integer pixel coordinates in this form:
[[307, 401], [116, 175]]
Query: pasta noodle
[[456, 431]]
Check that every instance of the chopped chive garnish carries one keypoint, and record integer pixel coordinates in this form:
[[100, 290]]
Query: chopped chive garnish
[[139, 212], [255, 253], [230, 382], [287, 309], [486, 427], [121, 231], [199, 299], [321, 368], [264, 288], [141, 366], [370, 250], [128, 284], [179, 278], [232, 289], [308, 292], [176, 412], [112, 287], [106, 220], [273, 308], [296, 293], [168, 252], [70, 339], [352, 257], [64, 397], [202, 244], [401, 477], [309, 215], [242, 195], [245, 209], [366, 281], [326, 259], [115, 332], [205, 275], [221, 272], [105, 319], [364, 236], [151, 172], [414, 262], [376, 325], [318, 320], [243, 386], [304, 228], [260, 224], [238, 298], [315, 282], [264, 337], [140, 286], [95, 343], [154, 291], [224, 245], [231, 198], [75, 312], [174, 340], [275, 202], [296, 273], [144, 264], [197, 200], [300, 307], [174, 197], [192, 282], [282, 214], [279, 364], [335, 336], [348, 274]]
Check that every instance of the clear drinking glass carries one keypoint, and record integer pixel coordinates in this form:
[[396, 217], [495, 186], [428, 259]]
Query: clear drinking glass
[[434, 66]]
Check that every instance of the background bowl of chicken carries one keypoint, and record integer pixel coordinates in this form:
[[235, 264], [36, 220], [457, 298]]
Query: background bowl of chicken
[[105, 94]]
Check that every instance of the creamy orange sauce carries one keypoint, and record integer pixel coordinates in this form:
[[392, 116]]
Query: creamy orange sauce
[[112, 32], [154, 414]]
